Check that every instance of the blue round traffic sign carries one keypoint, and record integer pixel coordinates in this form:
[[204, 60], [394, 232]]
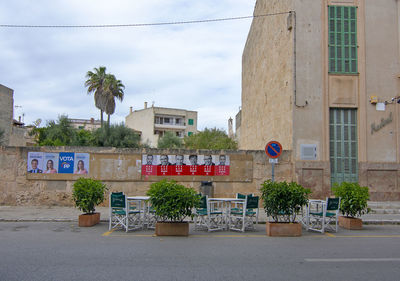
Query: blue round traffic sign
[[273, 149]]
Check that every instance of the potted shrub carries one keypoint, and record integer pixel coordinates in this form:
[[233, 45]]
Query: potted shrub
[[172, 203], [283, 201], [353, 203], [87, 193]]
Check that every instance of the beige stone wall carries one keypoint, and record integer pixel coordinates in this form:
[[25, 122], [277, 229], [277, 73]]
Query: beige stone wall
[[6, 112], [267, 78], [118, 169]]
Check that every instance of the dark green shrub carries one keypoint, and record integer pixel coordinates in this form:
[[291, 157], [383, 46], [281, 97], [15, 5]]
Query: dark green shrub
[[172, 201], [282, 200], [354, 198], [88, 193]]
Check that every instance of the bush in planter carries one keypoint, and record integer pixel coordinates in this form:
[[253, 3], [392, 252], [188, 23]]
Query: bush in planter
[[87, 193], [354, 198], [172, 201], [282, 200]]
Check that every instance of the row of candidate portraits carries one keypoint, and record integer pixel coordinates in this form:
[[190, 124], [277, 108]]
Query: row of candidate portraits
[[180, 159], [48, 163]]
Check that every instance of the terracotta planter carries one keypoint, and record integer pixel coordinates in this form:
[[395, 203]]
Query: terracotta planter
[[89, 219], [350, 223], [172, 228], [280, 229]]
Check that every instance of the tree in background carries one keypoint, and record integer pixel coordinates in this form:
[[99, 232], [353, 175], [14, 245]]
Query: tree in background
[[96, 84], [113, 89], [213, 139], [169, 140], [56, 133], [116, 136]]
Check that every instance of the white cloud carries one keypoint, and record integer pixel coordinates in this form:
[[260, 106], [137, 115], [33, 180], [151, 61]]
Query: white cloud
[[193, 66]]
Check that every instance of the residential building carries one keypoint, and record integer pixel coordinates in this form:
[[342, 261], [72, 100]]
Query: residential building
[[153, 122], [322, 77], [87, 124]]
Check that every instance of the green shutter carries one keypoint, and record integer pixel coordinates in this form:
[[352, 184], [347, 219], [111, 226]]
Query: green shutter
[[191, 122], [190, 133], [343, 145], [342, 39]]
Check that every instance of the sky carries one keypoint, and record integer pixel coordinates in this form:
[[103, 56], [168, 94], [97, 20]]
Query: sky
[[191, 66]]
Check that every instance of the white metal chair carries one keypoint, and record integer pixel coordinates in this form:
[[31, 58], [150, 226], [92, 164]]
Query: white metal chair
[[323, 215], [244, 215], [209, 215]]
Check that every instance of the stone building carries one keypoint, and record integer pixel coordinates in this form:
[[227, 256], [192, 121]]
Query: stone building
[[153, 122], [6, 113], [322, 77]]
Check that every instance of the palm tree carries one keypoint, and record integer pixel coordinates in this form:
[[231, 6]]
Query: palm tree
[[96, 83], [113, 89]]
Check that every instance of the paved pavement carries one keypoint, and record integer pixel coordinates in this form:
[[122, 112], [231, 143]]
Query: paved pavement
[[54, 213]]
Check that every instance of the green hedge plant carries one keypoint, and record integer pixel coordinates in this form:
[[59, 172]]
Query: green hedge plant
[[172, 202], [354, 198], [282, 200], [87, 193]]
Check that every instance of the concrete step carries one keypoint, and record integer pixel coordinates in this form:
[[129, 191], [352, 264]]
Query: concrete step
[[392, 207]]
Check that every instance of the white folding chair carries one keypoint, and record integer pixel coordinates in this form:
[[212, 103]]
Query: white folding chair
[[323, 215], [136, 214], [244, 215], [209, 215], [118, 218]]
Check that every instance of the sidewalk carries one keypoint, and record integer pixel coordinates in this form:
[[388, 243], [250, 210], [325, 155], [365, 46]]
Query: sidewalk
[[46, 214]]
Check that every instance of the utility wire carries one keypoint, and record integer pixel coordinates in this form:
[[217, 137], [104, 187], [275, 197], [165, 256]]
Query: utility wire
[[139, 24]]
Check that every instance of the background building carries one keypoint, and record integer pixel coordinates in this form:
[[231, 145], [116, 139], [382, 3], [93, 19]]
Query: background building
[[6, 113], [312, 74], [87, 124], [153, 122]]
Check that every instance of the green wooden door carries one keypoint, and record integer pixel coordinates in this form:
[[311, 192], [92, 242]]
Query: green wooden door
[[343, 145]]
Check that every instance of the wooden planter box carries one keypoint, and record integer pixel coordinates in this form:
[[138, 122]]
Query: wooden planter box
[[350, 223], [172, 228], [279, 229], [89, 219]]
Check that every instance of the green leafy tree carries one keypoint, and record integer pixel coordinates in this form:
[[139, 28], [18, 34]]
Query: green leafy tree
[[56, 133], [116, 136], [213, 139], [169, 140]]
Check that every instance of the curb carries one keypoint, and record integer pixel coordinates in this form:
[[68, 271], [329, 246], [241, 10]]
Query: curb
[[366, 222]]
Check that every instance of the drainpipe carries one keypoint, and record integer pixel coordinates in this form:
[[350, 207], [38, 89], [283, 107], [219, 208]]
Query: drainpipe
[[292, 15]]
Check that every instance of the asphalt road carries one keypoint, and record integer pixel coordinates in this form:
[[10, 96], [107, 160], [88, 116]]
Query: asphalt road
[[63, 251]]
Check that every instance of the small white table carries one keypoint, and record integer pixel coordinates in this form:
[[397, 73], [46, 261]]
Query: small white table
[[142, 205], [226, 204]]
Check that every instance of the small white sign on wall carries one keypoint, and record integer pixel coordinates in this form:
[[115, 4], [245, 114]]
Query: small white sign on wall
[[380, 106], [308, 152]]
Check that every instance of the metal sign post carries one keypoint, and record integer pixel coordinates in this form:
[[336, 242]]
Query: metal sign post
[[273, 149]]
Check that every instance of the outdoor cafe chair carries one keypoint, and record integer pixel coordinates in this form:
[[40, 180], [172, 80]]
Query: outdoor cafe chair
[[136, 214], [244, 215], [323, 215], [118, 217], [208, 215]]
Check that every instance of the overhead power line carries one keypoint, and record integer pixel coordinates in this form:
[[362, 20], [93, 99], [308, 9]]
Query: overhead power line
[[139, 24]]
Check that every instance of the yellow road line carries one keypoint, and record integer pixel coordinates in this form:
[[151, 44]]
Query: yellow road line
[[330, 234], [108, 232], [368, 236]]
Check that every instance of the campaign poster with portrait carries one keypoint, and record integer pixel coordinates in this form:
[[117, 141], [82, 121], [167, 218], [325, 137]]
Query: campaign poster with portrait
[[149, 166], [185, 165], [35, 162], [165, 165], [50, 163], [222, 167], [66, 162], [81, 163]]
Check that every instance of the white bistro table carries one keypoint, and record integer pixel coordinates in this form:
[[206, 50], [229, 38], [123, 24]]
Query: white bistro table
[[141, 204], [225, 205]]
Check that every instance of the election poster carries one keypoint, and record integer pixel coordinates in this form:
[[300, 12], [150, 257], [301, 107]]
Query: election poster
[[81, 163], [35, 162], [50, 163]]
